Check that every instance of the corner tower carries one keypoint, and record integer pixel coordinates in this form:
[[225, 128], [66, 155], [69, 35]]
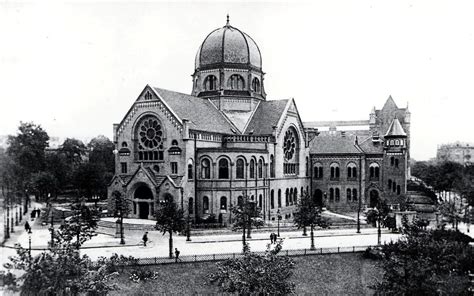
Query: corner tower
[[228, 71]]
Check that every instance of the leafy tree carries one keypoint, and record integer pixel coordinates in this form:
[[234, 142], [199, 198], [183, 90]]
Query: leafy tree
[[101, 152], [78, 228], [426, 262], [169, 219], [74, 150], [91, 179], [44, 184], [56, 165], [451, 212], [308, 214], [379, 214], [255, 274], [245, 215]]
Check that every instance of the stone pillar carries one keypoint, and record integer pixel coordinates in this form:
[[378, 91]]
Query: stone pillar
[[150, 210]]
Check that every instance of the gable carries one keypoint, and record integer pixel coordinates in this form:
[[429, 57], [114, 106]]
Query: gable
[[266, 116]]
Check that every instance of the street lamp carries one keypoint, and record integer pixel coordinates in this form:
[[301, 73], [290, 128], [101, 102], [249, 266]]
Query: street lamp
[[29, 242], [188, 230], [122, 240], [279, 218]]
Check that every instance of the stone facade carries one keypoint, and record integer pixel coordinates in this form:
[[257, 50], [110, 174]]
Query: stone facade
[[207, 150], [457, 152]]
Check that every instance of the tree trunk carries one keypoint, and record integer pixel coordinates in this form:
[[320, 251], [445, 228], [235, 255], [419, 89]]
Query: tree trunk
[[171, 244], [243, 238], [304, 231], [312, 238], [249, 231]]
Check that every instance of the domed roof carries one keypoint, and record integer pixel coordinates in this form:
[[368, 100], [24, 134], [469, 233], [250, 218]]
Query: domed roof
[[228, 45]]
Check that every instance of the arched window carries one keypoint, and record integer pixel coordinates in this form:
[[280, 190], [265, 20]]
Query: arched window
[[396, 162], [349, 194], [223, 168], [331, 194], [397, 143], [223, 203], [338, 194], [239, 170], [191, 206], [210, 83], [398, 189], [205, 204], [190, 171], [236, 82], [295, 195], [279, 198], [150, 135], [260, 201], [351, 170], [260, 168], [272, 166], [301, 191], [205, 169], [392, 161], [334, 171], [354, 194], [318, 171], [374, 170], [252, 169], [287, 197], [394, 186], [256, 85], [389, 184], [291, 196], [272, 199]]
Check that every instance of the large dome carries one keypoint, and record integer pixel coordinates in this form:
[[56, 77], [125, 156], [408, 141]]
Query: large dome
[[228, 45]]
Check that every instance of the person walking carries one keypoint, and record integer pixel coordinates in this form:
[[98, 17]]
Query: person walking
[[27, 226], [176, 254], [271, 238], [145, 238]]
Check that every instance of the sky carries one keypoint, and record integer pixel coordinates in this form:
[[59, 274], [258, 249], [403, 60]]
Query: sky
[[75, 68]]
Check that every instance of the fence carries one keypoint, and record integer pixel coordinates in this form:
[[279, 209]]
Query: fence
[[225, 256]]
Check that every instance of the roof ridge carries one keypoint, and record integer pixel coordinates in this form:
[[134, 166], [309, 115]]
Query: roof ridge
[[224, 116]]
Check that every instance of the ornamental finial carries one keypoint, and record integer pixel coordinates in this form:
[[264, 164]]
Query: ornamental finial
[[227, 24]]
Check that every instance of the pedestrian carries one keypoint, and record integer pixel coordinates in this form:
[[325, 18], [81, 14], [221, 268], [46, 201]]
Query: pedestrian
[[27, 226], [271, 238], [145, 238], [176, 253], [274, 237]]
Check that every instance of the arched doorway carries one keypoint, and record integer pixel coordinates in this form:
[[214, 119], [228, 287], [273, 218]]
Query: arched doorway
[[143, 198], [374, 198], [318, 197]]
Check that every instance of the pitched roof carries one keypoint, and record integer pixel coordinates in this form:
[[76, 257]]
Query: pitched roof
[[370, 147], [266, 116], [201, 113], [390, 104], [334, 145], [395, 129]]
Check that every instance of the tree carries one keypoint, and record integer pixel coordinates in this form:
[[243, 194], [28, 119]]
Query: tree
[[255, 274], [78, 228], [426, 262], [308, 214], [451, 212], [91, 179], [379, 216], [62, 271], [121, 209], [245, 215], [44, 184], [101, 152], [74, 150], [169, 219]]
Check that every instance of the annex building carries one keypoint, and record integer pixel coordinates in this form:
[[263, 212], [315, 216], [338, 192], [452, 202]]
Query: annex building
[[226, 140]]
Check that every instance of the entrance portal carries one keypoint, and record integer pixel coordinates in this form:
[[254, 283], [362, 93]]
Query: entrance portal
[[143, 210], [374, 198], [318, 197]]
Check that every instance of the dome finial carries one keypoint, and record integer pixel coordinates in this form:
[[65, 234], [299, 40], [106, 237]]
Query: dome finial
[[227, 24]]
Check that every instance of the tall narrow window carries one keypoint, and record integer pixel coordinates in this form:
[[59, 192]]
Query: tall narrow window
[[307, 166], [191, 206], [279, 198], [392, 161], [260, 168], [210, 83], [256, 85], [123, 166], [174, 168], [223, 169], [260, 201], [335, 171], [338, 195], [287, 197], [205, 169], [331, 194], [252, 169], [205, 204], [349, 194], [223, 203], [239, 173], [396, 162], [190, 171], [398, 189], [354, 194], [272, 166], [389, 184], [272, 199], [351, 171]]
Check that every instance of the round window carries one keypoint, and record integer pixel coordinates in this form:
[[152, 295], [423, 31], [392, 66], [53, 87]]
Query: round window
[[289, 145], [150, 133]]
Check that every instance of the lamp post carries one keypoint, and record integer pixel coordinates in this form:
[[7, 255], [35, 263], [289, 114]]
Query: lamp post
[[379, 231], [188, 230], [122, 240], [29, 242], [278, 218]]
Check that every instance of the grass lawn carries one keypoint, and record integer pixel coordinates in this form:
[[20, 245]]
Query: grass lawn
[[335, 274]]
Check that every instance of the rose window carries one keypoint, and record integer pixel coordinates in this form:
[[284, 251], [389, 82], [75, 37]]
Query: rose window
[[289, 145], [150, 134]]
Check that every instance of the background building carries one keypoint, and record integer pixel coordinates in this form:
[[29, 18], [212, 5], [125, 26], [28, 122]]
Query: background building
[[458, 152]]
